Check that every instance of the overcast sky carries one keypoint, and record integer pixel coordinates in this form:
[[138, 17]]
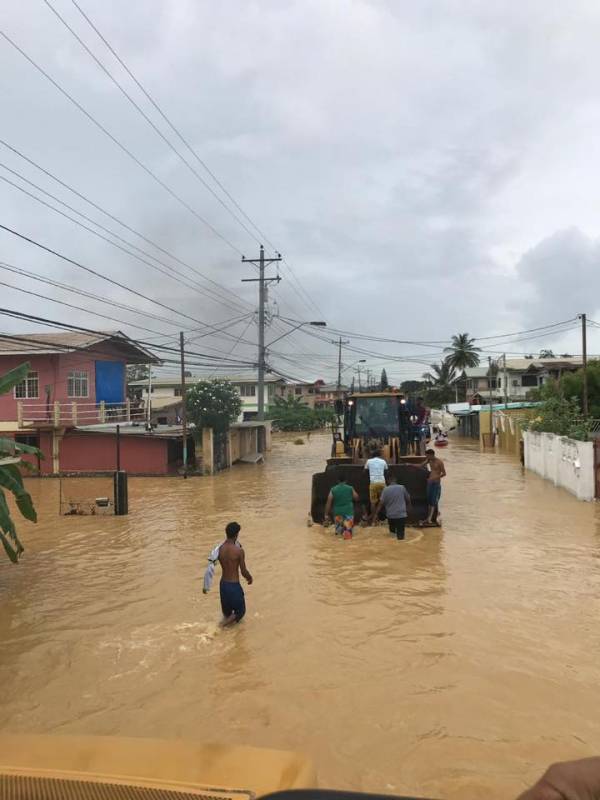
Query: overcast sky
[[425, 168]]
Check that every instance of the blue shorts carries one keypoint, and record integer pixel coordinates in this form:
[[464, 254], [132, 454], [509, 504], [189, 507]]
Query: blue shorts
[[434, 492], [232, 599]]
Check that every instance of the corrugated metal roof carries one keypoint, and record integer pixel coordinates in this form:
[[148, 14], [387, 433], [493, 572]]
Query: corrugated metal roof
[[523, 364], [476, 372], [69, 341]]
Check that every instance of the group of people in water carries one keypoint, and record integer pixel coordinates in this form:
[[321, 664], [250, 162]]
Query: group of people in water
[[386, 496]]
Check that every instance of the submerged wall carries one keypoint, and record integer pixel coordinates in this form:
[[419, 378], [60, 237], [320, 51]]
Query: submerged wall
[[565, 462]]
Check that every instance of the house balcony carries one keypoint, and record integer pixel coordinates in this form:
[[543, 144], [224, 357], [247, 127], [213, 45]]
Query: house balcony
[[76, 414]]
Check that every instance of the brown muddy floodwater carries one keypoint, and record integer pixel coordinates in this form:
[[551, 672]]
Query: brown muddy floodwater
[[456, 664]]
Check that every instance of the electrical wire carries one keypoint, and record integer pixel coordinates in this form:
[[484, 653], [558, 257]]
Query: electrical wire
[[119, 144], [116, 219], [99, 275], [185, 142], [80, 329], [176, 276], [148, 120]]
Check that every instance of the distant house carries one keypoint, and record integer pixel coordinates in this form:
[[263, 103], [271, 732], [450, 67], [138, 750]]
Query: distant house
[[477, 382], [164, 393], [72, 398], [305, 391], [518, 376], [513, 378], [327, 393]]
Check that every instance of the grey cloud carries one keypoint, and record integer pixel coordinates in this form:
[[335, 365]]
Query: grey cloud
[[382, 148]]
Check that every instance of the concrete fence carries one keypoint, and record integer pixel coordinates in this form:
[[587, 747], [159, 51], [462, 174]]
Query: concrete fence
[[565, 462]]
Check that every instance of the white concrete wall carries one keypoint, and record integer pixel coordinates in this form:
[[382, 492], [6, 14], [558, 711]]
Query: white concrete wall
[[563, 461]]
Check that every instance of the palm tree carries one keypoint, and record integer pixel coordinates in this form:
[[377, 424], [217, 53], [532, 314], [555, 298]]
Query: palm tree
[[442, 376], [462, 353], [440, 382]]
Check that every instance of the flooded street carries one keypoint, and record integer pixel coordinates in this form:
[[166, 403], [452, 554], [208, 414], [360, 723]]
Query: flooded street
[[457, 664]]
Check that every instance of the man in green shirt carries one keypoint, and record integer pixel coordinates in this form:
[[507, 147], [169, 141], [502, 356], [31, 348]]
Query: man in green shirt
[[341, 499]]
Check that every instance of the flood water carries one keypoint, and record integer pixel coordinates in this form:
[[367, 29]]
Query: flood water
[[457, 664]]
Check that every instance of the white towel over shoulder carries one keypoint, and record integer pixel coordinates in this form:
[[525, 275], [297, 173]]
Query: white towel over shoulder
[[212, 563]]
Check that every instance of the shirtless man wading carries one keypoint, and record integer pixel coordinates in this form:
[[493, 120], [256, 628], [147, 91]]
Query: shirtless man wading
[[232, 561], [437, 471]]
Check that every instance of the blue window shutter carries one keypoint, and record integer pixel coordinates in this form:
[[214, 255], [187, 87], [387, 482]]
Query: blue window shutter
[[110, 381]]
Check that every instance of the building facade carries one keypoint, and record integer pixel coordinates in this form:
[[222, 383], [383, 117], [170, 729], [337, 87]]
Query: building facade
[[165, 407], [512, 379], [71, 399]]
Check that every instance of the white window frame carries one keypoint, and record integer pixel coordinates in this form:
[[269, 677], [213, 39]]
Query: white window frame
[[78, 378], [248, 390], [32, 376]]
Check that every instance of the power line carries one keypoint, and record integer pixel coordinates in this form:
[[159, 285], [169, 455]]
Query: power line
[[74, 290], [119, 144], [99, 275], [117, 220], [148, 120], [184, 141], [197, 287], [80, 329]]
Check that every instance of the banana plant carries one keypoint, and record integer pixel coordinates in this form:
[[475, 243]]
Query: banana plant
[[11, 479]]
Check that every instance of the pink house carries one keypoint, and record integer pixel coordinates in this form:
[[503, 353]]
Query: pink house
[[74, 394]]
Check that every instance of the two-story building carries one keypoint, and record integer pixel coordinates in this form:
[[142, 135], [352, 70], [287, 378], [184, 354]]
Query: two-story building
[[72, 399], [511, 379], [327, 393], [305, 391], [518, 376], [164, 395], [476, 382]]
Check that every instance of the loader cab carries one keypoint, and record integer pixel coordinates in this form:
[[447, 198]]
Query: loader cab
[[375, 415]]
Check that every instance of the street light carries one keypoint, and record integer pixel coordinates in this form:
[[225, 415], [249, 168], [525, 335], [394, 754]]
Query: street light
[[315, 324]]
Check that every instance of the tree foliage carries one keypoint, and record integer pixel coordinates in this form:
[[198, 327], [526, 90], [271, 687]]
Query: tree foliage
[[292, 414], [439, 387], [462, 353], [561, 416], [383, 383], [137, 372], [414, 387], [213, 404], [561, 410], [11, 480], [571, 385]]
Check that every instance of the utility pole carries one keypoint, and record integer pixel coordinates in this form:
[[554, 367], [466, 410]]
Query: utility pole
[[262, 284], [183, 406], [583, 318], [339, 343], [491, 399], [505, 381], [149, 403], [359, 380]]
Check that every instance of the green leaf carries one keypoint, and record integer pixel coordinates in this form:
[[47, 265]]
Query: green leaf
[[11, 479], [6, 522], [4, 462], [9, 446], [8, 534], [13, 377]]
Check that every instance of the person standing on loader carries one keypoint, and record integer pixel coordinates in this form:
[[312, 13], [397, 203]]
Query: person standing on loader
[[377, 467]]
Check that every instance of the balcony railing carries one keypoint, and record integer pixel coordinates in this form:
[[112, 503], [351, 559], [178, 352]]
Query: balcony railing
[[75, 413]]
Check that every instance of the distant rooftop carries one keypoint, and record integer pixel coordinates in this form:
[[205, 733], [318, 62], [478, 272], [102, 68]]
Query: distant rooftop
[[541, 363]]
